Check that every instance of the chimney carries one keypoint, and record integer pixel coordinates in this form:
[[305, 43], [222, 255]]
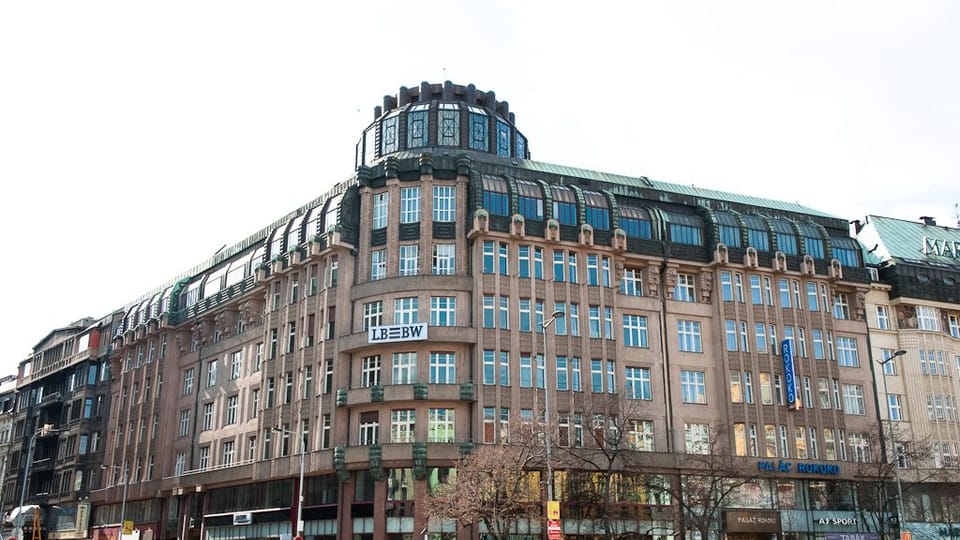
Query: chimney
[[927, 220]]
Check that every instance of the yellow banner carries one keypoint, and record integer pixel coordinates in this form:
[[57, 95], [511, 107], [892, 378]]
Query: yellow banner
[[553, 509]]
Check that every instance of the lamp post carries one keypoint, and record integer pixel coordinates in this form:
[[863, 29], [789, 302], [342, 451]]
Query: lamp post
[[46, 429], [125, 477], [26, 478], [303, 448], [896, 462], [546, 400]]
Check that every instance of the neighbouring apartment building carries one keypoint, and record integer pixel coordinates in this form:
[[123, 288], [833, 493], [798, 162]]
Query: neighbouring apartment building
[[914, 309], [452, 286], [58, 419]]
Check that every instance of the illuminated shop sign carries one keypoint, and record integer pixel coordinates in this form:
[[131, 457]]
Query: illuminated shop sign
[[827, 469], [789, 375], [848, 521], [943, 248], [397, 332], [755, 521]]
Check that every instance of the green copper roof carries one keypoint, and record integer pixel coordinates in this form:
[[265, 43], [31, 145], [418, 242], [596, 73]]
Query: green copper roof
[[889, 238], [691, 191]]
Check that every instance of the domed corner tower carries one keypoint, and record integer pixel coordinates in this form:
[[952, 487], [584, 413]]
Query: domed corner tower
[[441, 116]]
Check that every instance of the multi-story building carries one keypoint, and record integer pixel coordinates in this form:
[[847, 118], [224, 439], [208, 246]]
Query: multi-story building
[[8, 387], [57, 450], [914, 319], [368, 339]]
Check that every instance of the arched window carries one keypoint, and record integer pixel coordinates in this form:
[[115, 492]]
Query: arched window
[[597, 210], [729, 228], [564, 205]]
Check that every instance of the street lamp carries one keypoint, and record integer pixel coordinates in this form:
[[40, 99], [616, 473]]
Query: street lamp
[[303, 449], [46, 429], [123, 501], [546, 399], [901, 517]]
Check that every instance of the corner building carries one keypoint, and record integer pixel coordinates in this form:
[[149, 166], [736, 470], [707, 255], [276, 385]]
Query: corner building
[[914, 310], [396, 322]]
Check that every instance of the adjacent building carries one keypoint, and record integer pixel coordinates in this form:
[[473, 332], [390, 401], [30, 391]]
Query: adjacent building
[[56, 447], [914, 318]]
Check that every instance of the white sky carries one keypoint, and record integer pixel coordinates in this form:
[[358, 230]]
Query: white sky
[[137, 138]]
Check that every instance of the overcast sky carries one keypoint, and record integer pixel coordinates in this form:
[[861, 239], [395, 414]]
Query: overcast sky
[[137, 138]]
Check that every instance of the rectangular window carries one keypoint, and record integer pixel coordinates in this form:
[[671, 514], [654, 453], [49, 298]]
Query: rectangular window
[[380, 204], [928, 318], [883, 318], [402, 425], [853, 399], [684, 291], [372, 314], [441, 426], [444, 203], [688, 333], [444, 259], [812, 303], [405, 310], [211, 373], [370, 371], [409, 260], [369, 429], [443, 311], [489, 367], [404, 368], [634, 330], [895, 410], [443, 368], [841, 306], [766, 391], [756, 296], [736, 387], [847, 352], [631, 284], [504, 368], [187, 382], [640, 435], [232, 404], [638, 383], [526, 371], [693, 388], [409, 205], [236, 363], [378, 264], [697, 438]]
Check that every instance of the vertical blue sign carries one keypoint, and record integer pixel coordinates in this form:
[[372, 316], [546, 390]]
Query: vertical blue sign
[[789, 374]]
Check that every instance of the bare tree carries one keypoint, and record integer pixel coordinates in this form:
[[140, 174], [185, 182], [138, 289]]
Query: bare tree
[[706, 479], [602, 486], [496, 485], [879, 480]]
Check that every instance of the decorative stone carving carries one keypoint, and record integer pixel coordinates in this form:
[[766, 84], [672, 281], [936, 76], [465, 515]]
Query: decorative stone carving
[[670, 281], [619, 241], [706, 286], [586, 234], [836, 269], [481, 220], [906, 316], [861, 306], [750, 258], [780, 262], [553, 230], [809, 268], [721, 255], [517, 225], [652, 280]]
